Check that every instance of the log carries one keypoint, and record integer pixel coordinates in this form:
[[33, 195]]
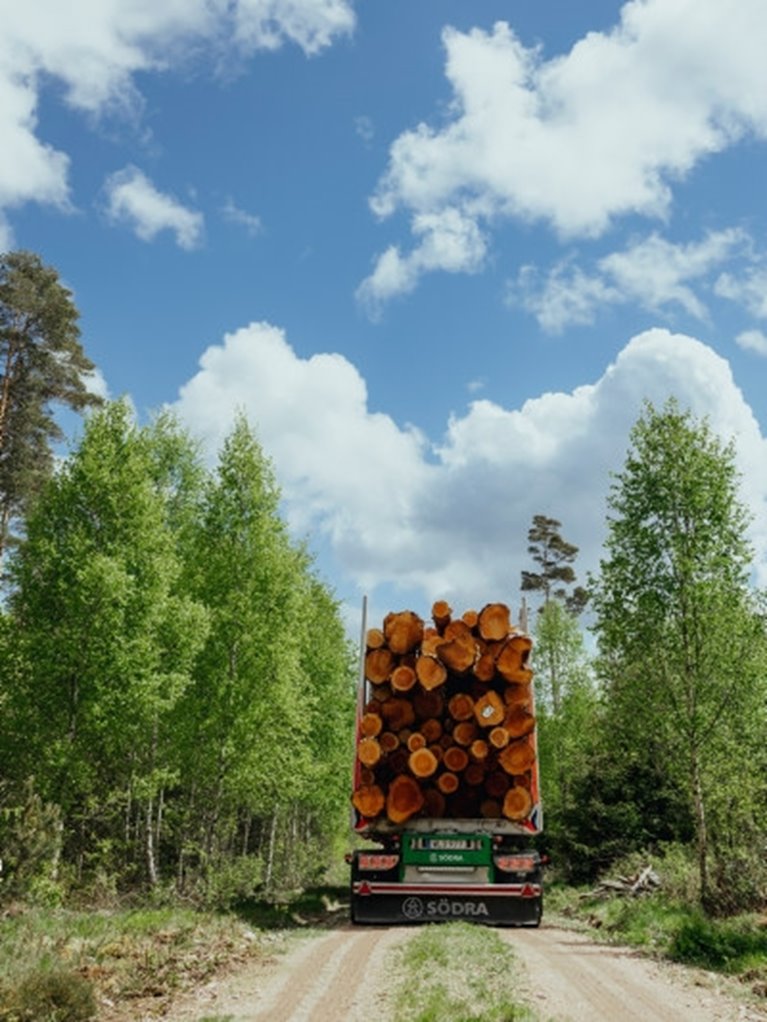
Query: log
[[447, 783], [518, 756], [431, 639], [458, 654], [497, 784], [518, 695], [455, 759], [517, 803], [431, 729], [479, 750], [369, 800], [489, 710], [428, 703], [494, 622], [464, 732], [379, 663], [403, 631], [461, 706], [474, 773], [369, 751], [423, 762], [434, 803], [416, 741], [470, 618], [499, 737], [431, 672], [374, 638], [404, 798], [441, 612], [388, 741], [370, 725], [484, 668], [403, 678], [398, 713], [518, 722], [490, 808]]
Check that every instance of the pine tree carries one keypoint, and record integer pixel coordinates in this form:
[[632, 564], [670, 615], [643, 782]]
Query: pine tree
[[42, 364]]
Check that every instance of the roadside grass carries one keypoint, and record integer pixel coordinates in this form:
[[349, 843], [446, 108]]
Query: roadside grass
[[457, 971], [671, 929], [65, 966]]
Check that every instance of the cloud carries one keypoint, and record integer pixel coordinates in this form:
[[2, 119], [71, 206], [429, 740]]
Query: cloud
[[450, 517], [651, 272], [748, 290], [93, 49], [752, 340], [132, 199], [448, 241], [234, 215], [600, 132]]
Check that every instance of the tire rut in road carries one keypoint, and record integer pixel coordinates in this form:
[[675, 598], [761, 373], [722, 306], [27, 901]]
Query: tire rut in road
[[571, 978], [334, 978]]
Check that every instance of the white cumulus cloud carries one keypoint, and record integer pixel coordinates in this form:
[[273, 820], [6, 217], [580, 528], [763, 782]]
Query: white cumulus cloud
[[132, 199], [447, 241], [753, 340], [450, 517], [604, 130], [93, 49], [651, 272]]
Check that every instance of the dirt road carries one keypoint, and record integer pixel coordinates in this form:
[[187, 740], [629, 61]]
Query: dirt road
[[340, 976]]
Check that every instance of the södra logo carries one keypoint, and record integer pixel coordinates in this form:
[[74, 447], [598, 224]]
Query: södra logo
[[442, 908]]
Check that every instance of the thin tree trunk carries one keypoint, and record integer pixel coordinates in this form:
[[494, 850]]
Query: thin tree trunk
[[701, 830], [151, 863], [270, 853]]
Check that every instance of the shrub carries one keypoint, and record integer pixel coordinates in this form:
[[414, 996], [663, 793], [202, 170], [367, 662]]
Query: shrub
[[712, 944], [55, 996]]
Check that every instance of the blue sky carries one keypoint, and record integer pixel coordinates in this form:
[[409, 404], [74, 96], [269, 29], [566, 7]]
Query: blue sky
[[439, 252]]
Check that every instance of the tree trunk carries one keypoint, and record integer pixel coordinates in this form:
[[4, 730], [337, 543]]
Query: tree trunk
[[701, 830]]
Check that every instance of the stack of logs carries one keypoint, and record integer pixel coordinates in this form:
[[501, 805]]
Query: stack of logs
[[449, 728]]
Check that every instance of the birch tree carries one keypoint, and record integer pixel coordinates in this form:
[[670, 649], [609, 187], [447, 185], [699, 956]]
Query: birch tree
[[681, 642]]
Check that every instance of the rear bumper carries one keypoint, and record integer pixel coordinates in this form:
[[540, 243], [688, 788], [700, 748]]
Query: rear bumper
[[491, 904]]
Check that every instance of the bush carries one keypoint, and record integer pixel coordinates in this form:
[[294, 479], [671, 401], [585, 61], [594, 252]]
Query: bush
[[711, 944], [56, 996]]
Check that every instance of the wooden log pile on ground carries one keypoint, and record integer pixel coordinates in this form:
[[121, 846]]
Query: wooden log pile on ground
[[448, 726]]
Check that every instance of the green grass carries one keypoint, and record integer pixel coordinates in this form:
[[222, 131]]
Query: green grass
[[459, 972], [73, 957]]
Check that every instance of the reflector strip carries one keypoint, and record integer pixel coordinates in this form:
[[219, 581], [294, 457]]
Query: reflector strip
[[366, 887]]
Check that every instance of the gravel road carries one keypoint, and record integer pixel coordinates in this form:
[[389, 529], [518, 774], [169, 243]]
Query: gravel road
[[340, 976]]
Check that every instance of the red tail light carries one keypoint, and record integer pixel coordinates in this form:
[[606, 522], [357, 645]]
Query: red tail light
[[515, 863], [377, 860]]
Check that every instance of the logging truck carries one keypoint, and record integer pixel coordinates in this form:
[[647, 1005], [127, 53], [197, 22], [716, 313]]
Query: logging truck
[[445, 787]]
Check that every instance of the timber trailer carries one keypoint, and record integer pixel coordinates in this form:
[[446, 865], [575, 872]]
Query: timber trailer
[[466, 851]]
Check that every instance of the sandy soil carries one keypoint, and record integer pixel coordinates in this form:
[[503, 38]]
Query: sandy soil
[[340, 976]]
